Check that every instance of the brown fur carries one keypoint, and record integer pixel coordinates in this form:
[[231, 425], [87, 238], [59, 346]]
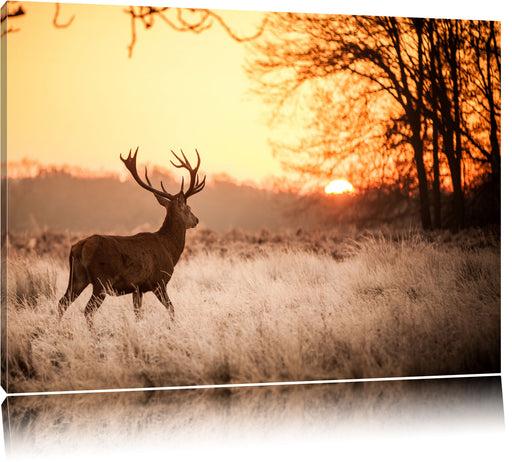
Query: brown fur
[[118, 265]]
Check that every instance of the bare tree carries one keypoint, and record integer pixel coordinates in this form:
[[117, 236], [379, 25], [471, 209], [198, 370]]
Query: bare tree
[[119, 265], [463, 104], [299, 48], [443, 77]]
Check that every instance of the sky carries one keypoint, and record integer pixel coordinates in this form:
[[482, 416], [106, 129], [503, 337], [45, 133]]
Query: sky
[[76, 98]]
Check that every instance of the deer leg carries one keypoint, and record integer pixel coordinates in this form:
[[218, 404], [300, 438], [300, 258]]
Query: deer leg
[[68, 298], [77, 283], [161, 294], [137, 303], [93, 304]]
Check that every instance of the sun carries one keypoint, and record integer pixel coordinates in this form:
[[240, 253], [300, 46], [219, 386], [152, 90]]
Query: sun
[[339, 187]]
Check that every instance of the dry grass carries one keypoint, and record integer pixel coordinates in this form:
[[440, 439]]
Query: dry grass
[[268, 311]]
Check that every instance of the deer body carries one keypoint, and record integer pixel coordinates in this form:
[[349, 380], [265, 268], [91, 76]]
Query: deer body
[[135, 264]]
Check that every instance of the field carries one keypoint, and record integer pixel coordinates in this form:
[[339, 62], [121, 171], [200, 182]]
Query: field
[[264, 307]]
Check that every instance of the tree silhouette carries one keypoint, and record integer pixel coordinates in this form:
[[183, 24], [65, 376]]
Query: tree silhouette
[[435, 84]]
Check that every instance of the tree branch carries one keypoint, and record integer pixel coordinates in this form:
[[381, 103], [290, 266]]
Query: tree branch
[[56, 17], [6, 13], [207, 18]]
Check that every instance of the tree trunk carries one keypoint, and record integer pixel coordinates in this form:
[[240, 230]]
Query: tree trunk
[[415, 118], [495, 157], [455, 168], [455, 174], [417, 144], [434, 97], [437, 183], [458, 194]]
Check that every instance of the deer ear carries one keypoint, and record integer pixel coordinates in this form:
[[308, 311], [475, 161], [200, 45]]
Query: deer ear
[[162, 200]]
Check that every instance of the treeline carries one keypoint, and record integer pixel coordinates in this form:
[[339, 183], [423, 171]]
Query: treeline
[[58, 201], [406, 103], [55, 200]]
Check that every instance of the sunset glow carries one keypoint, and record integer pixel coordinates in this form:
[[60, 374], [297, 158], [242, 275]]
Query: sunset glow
[[339, 187], [91, 102]]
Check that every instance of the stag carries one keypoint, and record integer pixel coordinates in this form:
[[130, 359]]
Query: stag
[[119, 265]]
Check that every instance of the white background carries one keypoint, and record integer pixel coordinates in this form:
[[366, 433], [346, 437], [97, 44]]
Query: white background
[[462, 446]]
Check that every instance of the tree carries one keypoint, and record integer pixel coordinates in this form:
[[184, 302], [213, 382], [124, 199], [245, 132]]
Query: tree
[[425, 67], [464, 102], [380, 51]]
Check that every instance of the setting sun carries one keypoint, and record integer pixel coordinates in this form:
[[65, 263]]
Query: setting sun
[[339, 187]]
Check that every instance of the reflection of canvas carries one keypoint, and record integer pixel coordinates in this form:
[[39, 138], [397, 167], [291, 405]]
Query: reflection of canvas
[[174, 420], [398, 275]]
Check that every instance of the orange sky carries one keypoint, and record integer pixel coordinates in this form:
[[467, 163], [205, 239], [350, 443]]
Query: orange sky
[[75, 97]]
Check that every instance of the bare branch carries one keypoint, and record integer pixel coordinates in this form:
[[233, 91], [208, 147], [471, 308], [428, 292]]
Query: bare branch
[[134, 33], [13, 13], [185, 27], [228, 29], [182, 24], [10, 30], [56, 17], [197, 27]]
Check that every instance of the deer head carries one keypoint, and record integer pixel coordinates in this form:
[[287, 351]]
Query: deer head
[[175, 204]]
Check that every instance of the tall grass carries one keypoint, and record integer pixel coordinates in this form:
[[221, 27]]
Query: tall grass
[[33, 280], [389, 307]]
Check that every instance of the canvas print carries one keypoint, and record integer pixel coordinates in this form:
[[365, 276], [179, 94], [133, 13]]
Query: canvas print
[[199, 196]]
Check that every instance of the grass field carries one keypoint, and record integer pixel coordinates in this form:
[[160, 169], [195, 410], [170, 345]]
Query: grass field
[[265, 307]]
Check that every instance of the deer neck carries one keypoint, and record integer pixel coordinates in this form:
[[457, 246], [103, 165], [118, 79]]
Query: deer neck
[[173, 233]]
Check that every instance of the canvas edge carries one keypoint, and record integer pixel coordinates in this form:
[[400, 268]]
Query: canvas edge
[[3, 211]]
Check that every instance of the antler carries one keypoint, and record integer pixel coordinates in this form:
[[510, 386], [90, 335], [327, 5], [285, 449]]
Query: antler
[[131, 164], [195, 184]]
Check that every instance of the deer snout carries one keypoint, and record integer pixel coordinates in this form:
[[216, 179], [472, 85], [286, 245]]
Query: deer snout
[[191, 221]]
